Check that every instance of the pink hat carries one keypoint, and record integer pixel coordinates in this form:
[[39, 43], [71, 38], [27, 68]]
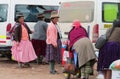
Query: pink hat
[[76, 23]]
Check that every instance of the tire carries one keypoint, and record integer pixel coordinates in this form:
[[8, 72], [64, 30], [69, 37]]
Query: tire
[[6, 54], [9, 56]]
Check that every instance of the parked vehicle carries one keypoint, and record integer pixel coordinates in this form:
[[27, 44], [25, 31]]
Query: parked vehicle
[[29, 8], [95, 15]]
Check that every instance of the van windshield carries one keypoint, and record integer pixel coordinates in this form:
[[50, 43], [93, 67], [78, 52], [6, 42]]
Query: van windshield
[[110, 12], [3, 12], [30, 12], [82, 10]]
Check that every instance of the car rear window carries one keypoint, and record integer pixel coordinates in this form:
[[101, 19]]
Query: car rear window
[[110, 12], [3, 12]]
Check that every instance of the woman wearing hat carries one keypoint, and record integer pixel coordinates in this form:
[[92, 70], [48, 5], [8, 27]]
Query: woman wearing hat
[[53, 50], [79, 41], [22, 50], [39, 37]]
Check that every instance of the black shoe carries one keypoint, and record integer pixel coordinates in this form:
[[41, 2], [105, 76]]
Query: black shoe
[[83, 78], [20, 65], [27, 65], [54, 72]]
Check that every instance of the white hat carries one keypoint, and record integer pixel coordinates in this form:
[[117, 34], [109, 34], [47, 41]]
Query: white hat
[[54, 14]]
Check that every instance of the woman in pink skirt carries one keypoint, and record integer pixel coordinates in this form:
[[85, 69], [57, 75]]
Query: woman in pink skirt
[[22, 49]]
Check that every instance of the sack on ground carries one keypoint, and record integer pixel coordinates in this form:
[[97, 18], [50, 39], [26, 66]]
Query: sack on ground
[[66, 54], [101, 41], [69, 66]]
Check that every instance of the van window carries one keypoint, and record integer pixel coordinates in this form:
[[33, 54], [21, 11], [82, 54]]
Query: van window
[[30, 12], [3, 12], [82, 10], [111, 11]]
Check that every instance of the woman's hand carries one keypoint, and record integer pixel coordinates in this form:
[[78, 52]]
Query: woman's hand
[[69, 48], [55, 46]]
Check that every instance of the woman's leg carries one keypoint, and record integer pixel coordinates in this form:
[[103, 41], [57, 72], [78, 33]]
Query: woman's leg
[[20, 64], [27, 64], [23, 65], [104, 73], [82, 71], [85, 71], [108, 74], [88, 69], [52, 67]]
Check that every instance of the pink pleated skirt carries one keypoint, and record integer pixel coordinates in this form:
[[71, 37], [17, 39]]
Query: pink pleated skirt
[[23, 52]]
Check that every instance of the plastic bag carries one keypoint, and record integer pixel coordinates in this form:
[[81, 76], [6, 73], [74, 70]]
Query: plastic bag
[[115, 65], [69, 66]]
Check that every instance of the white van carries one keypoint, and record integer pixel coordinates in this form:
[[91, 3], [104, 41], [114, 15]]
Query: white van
[[95, 15], [29, 8]]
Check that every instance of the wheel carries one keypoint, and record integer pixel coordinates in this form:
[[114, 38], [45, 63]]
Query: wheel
[[9, 56]]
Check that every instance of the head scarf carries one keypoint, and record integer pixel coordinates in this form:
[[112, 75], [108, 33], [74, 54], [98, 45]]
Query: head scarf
[[77, 32], [76, 23]]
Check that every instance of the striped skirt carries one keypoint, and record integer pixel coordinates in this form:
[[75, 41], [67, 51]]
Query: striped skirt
[[54, 54]]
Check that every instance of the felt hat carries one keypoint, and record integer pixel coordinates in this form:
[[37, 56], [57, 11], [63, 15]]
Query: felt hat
[[54, 14], [40, 15]]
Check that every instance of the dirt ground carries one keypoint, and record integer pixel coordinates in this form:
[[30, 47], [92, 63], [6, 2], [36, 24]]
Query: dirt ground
[[9, 70]]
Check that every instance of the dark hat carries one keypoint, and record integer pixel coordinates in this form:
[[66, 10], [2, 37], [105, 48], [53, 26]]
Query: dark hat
[[40, 15], [18, 15], [54, 14]]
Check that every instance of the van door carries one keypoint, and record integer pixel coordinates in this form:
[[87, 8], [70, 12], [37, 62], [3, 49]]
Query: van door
[[3, 23], [110, 12], [3, 19], [95, 15], [83, 10]]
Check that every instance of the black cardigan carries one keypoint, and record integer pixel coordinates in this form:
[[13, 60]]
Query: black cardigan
[[18, 32]]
